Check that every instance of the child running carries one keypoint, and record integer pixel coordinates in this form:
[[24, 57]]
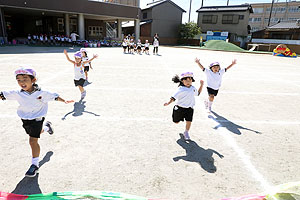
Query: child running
[[88, 65], [185, 100], [32, 110], [147, 47], [214, 79], [79, 76]]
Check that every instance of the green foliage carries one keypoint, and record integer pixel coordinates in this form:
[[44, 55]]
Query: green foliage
[[189, 30]]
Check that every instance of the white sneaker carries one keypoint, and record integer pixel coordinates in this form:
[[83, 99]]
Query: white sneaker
[[186, 135]]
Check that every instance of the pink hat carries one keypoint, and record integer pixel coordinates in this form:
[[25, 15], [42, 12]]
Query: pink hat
[[187, 74], [25, 70], [78, 54], [214, 64], [83, 50]]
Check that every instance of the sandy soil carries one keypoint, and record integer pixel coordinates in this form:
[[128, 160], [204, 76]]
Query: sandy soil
[[121, 138]]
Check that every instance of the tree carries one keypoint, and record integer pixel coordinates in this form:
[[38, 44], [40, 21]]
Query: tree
[[189, 30]]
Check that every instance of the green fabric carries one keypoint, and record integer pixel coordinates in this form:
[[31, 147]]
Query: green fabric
[[287, 191], [89, 195]]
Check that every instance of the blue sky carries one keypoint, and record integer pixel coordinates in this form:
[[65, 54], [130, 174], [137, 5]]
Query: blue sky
[[185, 4]]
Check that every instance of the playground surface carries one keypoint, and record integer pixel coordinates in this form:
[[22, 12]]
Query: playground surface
[[121, 138]]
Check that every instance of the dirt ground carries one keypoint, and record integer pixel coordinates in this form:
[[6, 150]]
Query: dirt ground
[[121, 138]]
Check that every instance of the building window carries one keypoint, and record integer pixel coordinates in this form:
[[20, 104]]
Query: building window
[[38, 22], [258, 10], [145, 15], [230, 19], [209, 19], [60, 23], [95, 30], [241, 17], [294, 9], [73, 25], [257, 19]]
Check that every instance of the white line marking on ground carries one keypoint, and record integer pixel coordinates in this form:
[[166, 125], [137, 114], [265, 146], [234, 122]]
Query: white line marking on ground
[[242, 155]]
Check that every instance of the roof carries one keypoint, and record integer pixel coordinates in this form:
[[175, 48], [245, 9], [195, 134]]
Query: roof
[[243, 7], [291, 24], [159, 2], [131, 23]]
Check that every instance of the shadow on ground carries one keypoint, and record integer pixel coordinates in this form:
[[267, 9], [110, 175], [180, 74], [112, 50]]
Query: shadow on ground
[[79, 109], [197, 154], [24, 49], [30, 185], [230, 126]]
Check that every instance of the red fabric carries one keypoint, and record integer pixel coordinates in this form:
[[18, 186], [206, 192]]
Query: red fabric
[[9, 196]]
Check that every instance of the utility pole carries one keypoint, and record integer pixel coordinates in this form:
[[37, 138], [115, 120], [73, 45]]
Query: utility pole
[[271, 12], [190, 10], [227, 2], [201, 3]]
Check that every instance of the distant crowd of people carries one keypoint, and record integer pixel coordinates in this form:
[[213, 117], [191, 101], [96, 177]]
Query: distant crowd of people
[[130, 47], [57, 40]]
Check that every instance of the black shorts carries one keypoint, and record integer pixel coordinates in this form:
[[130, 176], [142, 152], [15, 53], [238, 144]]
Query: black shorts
[[86, 68], [181, 114], [79, 82], [33, 127], [212, 91], [147, 48], [124, 47], [139, 48]]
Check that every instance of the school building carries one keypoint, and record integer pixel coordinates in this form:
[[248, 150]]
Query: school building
[[90, 19]]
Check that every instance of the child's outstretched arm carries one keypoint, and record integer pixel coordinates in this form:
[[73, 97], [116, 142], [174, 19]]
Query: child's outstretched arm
[[95, 56], [171, 100], [66, 53], [233, 63], [201, 86], [199, 64], [62, 100]]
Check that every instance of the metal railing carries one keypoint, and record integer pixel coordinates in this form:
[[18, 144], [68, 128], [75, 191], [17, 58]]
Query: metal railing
[[134, 3]]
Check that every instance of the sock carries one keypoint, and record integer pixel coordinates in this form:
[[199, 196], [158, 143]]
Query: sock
[[35, 161], [46, 128], [210, 104]]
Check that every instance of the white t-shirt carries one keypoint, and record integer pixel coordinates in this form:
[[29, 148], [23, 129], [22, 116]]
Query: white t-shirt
[[185, 96], [85, 59], [32, 105], [73, 36], [214, 80], [146, 44], [78, 72]]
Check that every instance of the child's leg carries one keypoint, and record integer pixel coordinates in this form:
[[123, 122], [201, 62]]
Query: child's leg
[[35, 148], [188, 126], [86, 75], [210, 100], [81, 88]]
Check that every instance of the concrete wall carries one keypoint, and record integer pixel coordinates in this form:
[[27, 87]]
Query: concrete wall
[[166, 20], [239, 29]]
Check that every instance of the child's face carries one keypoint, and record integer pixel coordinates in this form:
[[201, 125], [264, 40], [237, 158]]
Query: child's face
[[215, 68], [77, 60], [188, 81], [25, 82]]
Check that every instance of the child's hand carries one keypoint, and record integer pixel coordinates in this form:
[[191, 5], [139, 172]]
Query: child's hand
[[233, 62], [95, 55], [69, 101], [165, 104], [201, 82], [197, 60]]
